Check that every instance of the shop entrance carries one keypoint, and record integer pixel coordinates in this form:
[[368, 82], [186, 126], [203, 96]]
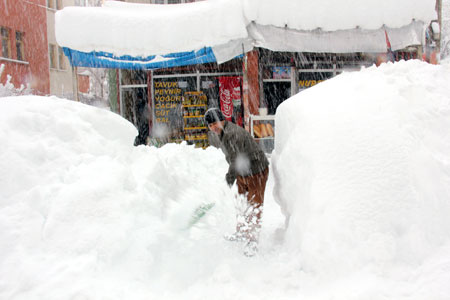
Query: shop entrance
[[134, 102]]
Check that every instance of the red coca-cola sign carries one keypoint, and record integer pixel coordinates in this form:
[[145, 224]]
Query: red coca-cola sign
[[230, 91]]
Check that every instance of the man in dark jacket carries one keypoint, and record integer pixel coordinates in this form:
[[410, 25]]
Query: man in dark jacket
[[249, 167]]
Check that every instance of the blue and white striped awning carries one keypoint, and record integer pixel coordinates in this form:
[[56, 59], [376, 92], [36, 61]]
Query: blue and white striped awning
[[108, 60]]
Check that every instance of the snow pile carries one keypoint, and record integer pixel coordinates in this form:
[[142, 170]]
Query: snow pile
[[149, 29], [331, 15], [361, 165], [445, 30], [85, 214], [363, 170]]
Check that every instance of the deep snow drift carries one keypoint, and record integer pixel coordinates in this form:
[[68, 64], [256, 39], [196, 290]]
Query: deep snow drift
[[369, 183], [362, 164]]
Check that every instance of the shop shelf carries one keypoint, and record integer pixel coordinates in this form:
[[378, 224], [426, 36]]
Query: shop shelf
[[194, 128]]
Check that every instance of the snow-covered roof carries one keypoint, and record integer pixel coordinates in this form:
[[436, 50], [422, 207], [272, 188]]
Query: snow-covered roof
[[151, 29], [331, 15]]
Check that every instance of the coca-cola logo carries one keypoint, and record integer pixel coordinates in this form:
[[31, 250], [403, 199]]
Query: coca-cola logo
[[227, 104], [225, 96]]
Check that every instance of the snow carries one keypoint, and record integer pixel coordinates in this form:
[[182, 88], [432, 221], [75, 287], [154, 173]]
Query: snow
[[369, 182], [151, 29], [331, 15], [445, 30], [361, 165]]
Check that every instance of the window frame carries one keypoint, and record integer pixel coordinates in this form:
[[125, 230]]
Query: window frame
[[61, 59], [52, 56], [51, 4], [58, 4], [6, 39], [20, 45]]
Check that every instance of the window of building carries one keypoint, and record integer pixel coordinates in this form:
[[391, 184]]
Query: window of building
[[59, 4], [6, 44], [52, 56], [174, 1], [51, 4], [20, 46], [61, 60]]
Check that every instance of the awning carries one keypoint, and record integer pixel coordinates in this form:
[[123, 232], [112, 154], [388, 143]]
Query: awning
[[101, 59], [151, 36], [339, 41], [108, 60]]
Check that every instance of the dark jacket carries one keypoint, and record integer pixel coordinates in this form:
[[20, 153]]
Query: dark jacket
[[242, 153]]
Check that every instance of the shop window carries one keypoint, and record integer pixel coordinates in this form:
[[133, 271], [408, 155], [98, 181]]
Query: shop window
[[58, 4], [210, 86], [20, 46], [167, 106], [275, 93], [309, 79], [52, 56], [6, 44], [61, 59], [276, 86]]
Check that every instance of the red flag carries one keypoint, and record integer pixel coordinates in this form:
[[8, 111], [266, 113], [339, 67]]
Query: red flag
[[390, 54]]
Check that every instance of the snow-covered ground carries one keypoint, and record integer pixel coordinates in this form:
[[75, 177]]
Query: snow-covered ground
[[363, 169]]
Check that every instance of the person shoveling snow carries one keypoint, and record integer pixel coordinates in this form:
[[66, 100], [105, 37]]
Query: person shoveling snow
[[249, 167]]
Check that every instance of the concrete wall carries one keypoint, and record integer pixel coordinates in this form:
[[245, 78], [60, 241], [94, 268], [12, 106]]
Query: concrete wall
[[61, 73]]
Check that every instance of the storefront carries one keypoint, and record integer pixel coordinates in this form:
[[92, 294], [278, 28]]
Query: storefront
[[167, 105], [241, 58]]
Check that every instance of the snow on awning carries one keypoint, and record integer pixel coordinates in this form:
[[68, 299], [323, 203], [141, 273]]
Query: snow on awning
[[333, 15], [148, 36], [142, 30], [338, 26], [339, 41]]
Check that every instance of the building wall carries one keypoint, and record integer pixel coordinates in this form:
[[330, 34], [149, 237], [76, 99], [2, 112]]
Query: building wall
[[59, 69], [28, 17]]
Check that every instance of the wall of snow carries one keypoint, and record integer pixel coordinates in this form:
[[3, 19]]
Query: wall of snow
[[362, 167], [85, 215]]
